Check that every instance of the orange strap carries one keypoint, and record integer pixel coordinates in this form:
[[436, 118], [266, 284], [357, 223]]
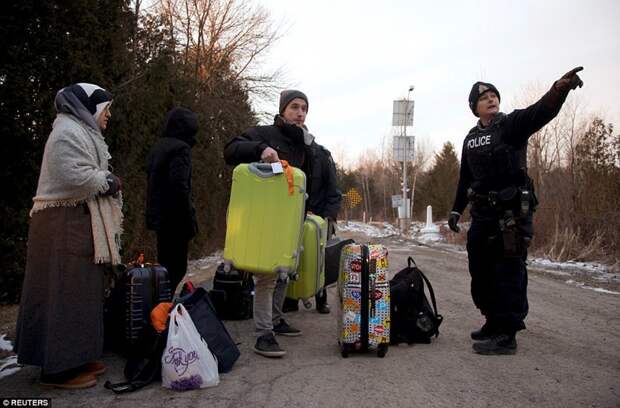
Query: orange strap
[[288, 170]]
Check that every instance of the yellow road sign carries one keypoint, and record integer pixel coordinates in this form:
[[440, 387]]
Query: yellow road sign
[[352, 198]]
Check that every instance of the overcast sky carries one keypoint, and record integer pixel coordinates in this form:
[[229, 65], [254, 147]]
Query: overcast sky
[[353, 58]]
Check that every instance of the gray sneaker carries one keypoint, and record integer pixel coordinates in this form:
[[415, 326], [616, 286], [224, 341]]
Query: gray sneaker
[[267, 346], [284, 329]]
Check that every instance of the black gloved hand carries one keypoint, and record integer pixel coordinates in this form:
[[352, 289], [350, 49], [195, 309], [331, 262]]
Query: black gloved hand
[[114, 185], [453, 221], [569, 81]]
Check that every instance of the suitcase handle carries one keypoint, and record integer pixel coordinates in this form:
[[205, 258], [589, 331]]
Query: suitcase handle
[[265, 170], [261, 169]]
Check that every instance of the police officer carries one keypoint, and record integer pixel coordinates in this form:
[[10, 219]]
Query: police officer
[[493, 179]]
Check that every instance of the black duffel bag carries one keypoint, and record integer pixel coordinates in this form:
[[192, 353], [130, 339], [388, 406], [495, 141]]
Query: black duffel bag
[[413, 320], [211, 328], [333, 250]]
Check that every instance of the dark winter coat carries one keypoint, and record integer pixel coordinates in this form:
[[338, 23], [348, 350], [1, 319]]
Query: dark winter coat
[[494, 157], [286, 139], [169, 205], [326, 196]]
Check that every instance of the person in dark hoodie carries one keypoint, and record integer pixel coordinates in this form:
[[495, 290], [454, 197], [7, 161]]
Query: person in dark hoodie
[[169, 209], [493, 179]]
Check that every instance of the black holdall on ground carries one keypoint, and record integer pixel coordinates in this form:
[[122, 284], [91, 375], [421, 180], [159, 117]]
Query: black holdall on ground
[[413, 318], [232, 294], [127, 309], [211, 328]]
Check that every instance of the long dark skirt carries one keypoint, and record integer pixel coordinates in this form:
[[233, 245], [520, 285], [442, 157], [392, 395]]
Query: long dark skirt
[[60, 323]]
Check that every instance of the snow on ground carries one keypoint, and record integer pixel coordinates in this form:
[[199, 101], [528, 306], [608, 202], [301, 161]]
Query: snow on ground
[[205, 263], [584, 286], [595, 271], [9, 364], [376, 230]]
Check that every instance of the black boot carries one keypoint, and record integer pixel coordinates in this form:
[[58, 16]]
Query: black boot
[[483, 333], [321, 302], [498, 344]]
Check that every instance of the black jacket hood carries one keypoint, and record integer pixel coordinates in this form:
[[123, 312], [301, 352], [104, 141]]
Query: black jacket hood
[[182, 124]]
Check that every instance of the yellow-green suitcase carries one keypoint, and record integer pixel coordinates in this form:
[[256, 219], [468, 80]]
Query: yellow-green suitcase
[[312, 268], [265, 218]]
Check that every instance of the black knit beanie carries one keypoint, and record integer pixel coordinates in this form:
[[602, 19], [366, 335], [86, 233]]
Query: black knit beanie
[[288, 95], [476, 92]]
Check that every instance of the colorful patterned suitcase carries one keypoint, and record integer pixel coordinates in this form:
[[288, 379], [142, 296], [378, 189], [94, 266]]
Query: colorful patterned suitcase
[[312, 268], [265, 218], [364, 320]]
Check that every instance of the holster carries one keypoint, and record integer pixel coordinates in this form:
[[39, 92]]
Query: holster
[[514, 242]]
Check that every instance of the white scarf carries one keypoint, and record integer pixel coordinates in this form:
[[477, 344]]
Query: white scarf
[[74, 171]]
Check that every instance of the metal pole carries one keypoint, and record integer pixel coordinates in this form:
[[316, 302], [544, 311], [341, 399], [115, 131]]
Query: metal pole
[[404, 224]]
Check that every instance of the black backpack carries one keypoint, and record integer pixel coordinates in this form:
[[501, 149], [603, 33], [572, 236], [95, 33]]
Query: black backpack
[[412, 318]]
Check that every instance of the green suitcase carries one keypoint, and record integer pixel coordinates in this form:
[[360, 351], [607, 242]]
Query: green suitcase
[[265, 217], [312, 269]]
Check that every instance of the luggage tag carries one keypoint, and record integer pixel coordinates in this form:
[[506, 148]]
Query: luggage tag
[[276, 168]]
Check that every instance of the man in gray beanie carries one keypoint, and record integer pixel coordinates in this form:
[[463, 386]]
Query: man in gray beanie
[[287, 97], [287, 139], [493, 180]]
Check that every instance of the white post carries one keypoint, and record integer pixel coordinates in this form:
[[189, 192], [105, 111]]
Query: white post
[[430, 232], [429, 216]]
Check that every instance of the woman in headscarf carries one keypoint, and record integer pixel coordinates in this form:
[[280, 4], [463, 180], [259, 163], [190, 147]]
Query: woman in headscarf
[[74, 230]]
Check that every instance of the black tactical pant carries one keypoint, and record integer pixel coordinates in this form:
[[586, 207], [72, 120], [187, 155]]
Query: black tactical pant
[[172, 255], [498, 280]]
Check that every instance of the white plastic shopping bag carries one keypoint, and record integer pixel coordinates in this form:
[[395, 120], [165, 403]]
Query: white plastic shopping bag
[[187, 362]]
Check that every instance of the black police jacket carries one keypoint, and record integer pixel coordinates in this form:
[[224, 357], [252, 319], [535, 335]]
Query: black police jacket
[[495, 157], [326, 196], [286, 139], [169, 207]]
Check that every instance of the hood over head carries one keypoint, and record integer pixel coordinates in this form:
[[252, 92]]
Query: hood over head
[[182, 124]]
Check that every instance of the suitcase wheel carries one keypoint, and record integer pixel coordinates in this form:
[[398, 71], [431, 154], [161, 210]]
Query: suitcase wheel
[[382, 350], [344, 350], [307, 304]]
